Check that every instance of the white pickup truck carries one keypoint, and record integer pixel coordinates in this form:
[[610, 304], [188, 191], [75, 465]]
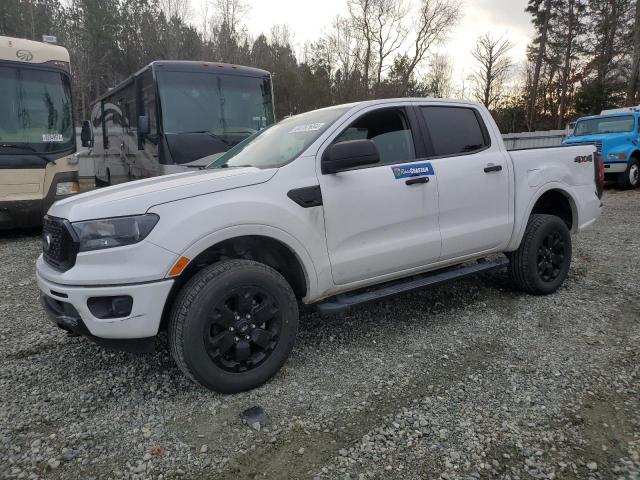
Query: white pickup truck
[[333, 207]]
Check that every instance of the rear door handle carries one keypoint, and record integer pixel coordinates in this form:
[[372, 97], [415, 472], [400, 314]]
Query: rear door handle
[[413, 181], [492, 168]]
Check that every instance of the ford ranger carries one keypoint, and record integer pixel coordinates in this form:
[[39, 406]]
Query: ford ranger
[[334, 207]]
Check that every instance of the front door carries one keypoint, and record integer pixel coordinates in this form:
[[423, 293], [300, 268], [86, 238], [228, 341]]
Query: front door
[[473, 181], [381, 219]]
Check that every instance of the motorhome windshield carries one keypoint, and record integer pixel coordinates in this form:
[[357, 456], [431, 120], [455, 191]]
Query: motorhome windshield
[[35, 111], [594, 126], [280, 144], [229, 107]]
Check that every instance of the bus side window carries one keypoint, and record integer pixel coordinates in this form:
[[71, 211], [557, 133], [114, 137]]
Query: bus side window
[[148, 103], [96, 123]]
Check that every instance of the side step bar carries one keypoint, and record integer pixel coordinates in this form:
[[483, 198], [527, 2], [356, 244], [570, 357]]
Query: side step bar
[[430, 279]]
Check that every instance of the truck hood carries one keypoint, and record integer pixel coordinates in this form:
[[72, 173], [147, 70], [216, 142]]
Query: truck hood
[[134, 198]]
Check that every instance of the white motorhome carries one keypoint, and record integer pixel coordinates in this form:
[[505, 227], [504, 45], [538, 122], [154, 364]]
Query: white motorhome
[[37, 135], [170, 115]]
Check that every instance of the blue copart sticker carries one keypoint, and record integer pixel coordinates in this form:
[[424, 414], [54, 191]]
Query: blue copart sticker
[[412, 170]]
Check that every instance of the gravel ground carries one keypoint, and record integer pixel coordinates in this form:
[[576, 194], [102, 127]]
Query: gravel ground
[[466, 381]]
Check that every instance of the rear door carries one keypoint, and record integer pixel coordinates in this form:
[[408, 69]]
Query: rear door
[[381, 219], [473, 180]]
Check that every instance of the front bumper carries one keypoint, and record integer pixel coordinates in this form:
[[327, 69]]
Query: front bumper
[[615, 167], [29, 213], [67, 307]]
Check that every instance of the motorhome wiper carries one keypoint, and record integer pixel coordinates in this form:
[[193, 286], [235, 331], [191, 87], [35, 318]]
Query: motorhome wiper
[[30, 148], [211, 134]]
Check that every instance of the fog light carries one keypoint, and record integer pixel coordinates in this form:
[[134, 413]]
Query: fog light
[[110, 307], [66, 188]]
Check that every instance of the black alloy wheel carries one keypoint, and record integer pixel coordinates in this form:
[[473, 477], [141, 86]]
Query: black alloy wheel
[[233, 325], [243, 329], [551, 256]]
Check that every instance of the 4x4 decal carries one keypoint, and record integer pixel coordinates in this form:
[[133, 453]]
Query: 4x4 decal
[[583, 159]]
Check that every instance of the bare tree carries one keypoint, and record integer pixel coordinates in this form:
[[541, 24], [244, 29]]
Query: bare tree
[[541, 21], [439, 76], [388, 32], [571, 20], [230, 13], [632, 87], [435, 20], [494, 65], [180, 9], [362, 18]]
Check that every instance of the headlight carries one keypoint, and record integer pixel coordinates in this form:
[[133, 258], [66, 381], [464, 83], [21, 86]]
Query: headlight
[[114, 232], [66, 188], [617, 156]]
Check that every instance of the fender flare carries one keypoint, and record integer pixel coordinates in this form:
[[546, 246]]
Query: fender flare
[[557, 186], [227, 233]]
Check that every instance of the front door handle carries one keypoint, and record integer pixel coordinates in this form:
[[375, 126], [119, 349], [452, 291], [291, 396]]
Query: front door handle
[[492, 168], [413, 181]]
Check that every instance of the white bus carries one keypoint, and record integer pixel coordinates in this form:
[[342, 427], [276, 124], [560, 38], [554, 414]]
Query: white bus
[[37, 134], [174, 115]]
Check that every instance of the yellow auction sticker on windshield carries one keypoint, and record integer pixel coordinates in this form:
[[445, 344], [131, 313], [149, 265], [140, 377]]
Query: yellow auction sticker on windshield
[[309, 127], [52, 137]]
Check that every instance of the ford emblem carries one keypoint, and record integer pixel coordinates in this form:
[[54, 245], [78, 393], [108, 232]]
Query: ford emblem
[[46, 242]]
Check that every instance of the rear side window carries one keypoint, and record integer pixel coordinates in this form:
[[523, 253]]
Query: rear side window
[[454, 130]]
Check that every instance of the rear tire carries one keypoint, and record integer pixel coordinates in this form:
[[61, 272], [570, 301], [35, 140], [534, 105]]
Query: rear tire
[[541, 263], [233, 325], [630, 178]]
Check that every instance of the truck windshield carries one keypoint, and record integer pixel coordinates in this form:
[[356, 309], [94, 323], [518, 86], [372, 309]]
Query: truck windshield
[[281, 143], [594, 126], [35, 111], [229, 107]]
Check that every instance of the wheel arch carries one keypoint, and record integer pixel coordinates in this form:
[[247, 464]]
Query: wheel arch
[[267, 245], [552, 199]]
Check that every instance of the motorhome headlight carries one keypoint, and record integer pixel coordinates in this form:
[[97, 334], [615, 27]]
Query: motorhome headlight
[[66, 188], [114, 232]]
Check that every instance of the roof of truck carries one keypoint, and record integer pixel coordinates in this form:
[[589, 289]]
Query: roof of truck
[[608, 115], [28, 51], [410, 99]]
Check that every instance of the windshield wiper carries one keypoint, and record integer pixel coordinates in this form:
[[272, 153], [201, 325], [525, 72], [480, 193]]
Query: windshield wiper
[[30, 148], [211, 134]]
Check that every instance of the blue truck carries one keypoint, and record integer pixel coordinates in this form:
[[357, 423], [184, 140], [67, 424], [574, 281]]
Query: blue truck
[[616, 134]]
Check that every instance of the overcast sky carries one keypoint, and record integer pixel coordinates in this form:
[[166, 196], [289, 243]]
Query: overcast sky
[[308, 20]]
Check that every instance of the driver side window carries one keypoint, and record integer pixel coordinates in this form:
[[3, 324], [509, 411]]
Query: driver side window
[[389, 130]]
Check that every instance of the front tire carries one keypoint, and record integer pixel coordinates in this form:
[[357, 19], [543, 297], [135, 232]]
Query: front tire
[[541, 263], [630, 178], [233, 325]]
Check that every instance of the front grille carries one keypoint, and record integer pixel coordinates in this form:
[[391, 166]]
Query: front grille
[[599, 147], [58, 245]]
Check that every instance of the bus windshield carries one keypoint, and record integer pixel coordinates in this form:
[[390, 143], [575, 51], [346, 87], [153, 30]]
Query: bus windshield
[[614, 124], [229, 107], [35, 111]]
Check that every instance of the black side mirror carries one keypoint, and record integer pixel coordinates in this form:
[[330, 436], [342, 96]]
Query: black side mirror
[[86, 134], [143, 125], [345, 155]]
